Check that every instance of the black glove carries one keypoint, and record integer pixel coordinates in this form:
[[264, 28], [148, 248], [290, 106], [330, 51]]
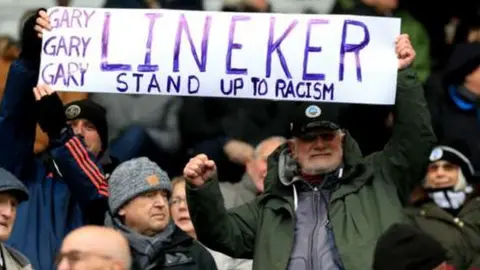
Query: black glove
[[51, 116], [31, 44]]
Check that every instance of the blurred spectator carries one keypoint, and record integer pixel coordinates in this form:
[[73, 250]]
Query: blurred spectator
[[390, 8], [9, 51], [246, 6], [205, 128], [143, 125], [453, 99], [181, 217], [94, 247], [403, 247], [445, 206], [66, 184], [12, 192], [324, 205], [468, 28], [227, 130], [251, 185], [375, 129], [139, 194], [168, 4]]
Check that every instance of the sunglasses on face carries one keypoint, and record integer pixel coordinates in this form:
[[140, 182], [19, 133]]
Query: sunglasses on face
[[312, 136]]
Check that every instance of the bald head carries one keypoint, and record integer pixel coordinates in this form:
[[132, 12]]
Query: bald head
[[100, 243], [267, 146]]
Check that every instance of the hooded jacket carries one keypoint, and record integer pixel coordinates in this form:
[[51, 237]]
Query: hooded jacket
[[454, 110], [363, 202]]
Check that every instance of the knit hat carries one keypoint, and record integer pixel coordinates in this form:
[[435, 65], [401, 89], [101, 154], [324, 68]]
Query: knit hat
[[403, 247], [455, 152], [10, 184], [134, 177], [91, 111]]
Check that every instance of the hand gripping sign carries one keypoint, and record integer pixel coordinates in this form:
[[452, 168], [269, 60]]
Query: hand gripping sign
[[330, 58]]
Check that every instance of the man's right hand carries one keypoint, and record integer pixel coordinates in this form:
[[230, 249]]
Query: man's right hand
[[199, 169]]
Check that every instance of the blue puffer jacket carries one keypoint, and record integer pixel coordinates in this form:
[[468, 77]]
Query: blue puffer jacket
[[67, 187]]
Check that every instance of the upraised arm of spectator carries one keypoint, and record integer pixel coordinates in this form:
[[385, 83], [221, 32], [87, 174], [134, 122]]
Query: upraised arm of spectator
[[404, 156]]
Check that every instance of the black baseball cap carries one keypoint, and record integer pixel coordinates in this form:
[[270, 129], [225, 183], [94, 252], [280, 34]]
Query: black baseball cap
[[309, 117]]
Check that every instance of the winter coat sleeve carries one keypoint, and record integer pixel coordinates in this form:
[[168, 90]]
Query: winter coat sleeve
[[83, 175], [204, 258], [402, 160], [17, 119], [230, 232]]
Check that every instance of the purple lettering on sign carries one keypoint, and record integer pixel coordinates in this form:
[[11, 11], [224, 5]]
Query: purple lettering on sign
[[153, 84], [104, 65], [147, 66], [234, 46], [275, 47], [78, 19], [355, 48], [311, 76], [124, 86], [183, 27], [71, 73], [77, 46]]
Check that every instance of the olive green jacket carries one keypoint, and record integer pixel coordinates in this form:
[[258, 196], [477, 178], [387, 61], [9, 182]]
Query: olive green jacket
[[363, 203], [459, 235]]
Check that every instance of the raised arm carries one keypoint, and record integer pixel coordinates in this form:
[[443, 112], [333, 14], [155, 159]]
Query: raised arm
[[403, 158], [17, 117], [76, 165], [230, 232]]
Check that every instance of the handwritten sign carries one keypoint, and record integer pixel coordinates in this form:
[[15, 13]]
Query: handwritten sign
[[332, 58]]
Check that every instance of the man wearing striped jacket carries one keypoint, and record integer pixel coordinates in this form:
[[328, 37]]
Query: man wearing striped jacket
[[67, 187]]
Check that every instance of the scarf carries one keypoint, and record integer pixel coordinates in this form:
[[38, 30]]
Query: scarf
[[146, 250]]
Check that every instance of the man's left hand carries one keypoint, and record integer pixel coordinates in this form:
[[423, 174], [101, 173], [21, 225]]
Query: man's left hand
[[405, 52], [50, 116]]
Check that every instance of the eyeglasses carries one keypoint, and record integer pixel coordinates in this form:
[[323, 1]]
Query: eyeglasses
[[76, 256], [325, 136], [177, 201]]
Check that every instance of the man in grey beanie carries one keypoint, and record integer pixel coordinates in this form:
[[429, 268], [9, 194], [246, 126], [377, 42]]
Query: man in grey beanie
[[12, 192], [139, 208]]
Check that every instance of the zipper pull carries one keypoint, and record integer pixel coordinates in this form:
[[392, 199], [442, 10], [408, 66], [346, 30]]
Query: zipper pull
[[328, 225]]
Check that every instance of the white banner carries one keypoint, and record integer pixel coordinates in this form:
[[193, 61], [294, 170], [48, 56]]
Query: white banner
[[331, 58]]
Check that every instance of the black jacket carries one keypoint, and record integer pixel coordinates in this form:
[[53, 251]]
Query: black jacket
[[182, 253]]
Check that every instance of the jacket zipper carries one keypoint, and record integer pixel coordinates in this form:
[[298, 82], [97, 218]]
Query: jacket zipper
[[312, 237]]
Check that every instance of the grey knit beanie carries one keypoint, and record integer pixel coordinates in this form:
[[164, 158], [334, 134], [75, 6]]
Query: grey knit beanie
[[134, 177]]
